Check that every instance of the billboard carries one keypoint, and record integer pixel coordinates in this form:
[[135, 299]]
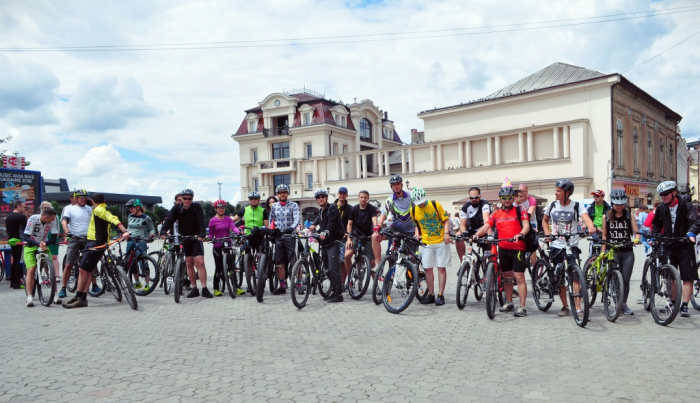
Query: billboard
[[18, 185]]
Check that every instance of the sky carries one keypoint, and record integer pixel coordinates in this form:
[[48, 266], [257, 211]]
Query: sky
[[159, 119]]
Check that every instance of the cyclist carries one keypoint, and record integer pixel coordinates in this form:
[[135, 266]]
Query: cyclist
[[564, 214], [15, 222], [36, 236], [190, 219], [361, 220], [474, 213], [141, 227], [398, 206], [619, 226], [286, 217], [529, 205], [221, 226], [676, 217], [101, 223], [254, 216], [344, 208], [53, 244], [510, 221], [598, 209], [76, 221], [433, 228], [331, 233]]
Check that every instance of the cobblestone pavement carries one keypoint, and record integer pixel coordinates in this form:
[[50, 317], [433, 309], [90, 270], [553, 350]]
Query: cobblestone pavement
[[241, 350]]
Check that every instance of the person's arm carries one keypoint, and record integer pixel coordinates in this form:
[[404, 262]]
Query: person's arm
[[446, 235], [605, 233], [25, 234], [657, 224], [211, 228], [692, 217], [349, 231], [266, 218], [170, 219], [525, 222], [64, 224], [545, 224], [533, 206], [316, 224], [150, 226], [104, 214], [635, 230], [233, 228], [483, 230]]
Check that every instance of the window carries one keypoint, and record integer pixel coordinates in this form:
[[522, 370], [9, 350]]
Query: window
[[365, 130], [335, 149], [309, 152], [345, 148], [636, 150], [280, 179], [255, 184], [344, 124], [388, 134], [620, 159], [662, 162], [309, 182], [254, 155], [280, 150], [650, 155], [252, 126], [307, 119]]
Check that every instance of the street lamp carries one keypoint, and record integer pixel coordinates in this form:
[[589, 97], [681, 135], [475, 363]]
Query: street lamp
[[408, 185]]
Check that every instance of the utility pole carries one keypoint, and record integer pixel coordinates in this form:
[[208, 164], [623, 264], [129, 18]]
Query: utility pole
[[219, 183]]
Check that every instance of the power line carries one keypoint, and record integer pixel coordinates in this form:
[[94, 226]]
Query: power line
[[654, 57], [296, 41]]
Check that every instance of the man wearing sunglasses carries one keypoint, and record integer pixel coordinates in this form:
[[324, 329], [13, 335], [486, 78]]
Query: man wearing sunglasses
[[286, 216], [677, 217], [474, 213], [598, 209], [330, 229]]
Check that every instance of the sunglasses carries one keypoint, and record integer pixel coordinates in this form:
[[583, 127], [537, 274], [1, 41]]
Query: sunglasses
[[598, 196], [474, 197], [506, 197], [321, 197], [186, 198], [664, 194]]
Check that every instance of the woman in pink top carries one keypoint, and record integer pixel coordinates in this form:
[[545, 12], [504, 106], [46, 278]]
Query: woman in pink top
[[220, 226]]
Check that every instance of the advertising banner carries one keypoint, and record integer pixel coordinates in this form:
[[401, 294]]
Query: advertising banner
[[18, 185]]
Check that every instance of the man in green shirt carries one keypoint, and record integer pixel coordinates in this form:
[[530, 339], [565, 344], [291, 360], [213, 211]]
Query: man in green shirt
[[599, 208]]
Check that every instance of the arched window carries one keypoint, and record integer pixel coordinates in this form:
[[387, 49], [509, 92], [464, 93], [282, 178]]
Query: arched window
[[365, 130]]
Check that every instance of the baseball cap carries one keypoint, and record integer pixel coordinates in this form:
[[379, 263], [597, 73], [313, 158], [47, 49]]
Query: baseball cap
[[343, 190], [598, 193]]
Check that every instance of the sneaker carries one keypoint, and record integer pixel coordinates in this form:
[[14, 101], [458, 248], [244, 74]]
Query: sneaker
[[62, 293], [520, 312], [430, 299], [70, 301], [508, 307], [335, 298], [146, 288], [239, 291], [95, 289], [626, 310], [440, 300], [217, 293], [564, 311], [30, 302], [684, 311], [280, 291], [206, 293], [57, 301], [137, 286], [194, 293], [76, 304]]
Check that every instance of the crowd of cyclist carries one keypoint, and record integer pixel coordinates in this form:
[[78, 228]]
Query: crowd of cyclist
[[410, 214]]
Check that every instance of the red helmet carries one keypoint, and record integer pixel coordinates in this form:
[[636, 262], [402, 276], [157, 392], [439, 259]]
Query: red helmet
[[219, 203]]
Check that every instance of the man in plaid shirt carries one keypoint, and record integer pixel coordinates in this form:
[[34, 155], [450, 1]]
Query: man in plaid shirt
[[286, 217]]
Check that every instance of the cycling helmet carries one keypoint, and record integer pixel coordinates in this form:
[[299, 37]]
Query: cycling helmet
[[254, 195], [218, 203], [417, 195], [506, 191], [80, 193], [321, 192], [282, 188], [395, 179], [618, 196], [187, 192], [134, 203], [666, 186], [565, 185]]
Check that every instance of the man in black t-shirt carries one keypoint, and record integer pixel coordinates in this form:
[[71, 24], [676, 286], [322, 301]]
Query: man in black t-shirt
[[361, 221], [15, 222]]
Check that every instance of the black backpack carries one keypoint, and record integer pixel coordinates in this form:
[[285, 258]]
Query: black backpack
[[531, 243]]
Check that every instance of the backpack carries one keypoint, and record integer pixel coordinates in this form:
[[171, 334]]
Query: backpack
[[576, 217], [530, 238], [413, 212]]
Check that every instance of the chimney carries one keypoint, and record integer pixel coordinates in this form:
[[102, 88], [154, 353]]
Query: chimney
[[386, 115]]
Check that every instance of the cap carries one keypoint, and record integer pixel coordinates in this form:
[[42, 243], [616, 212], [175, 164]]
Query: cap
[[343, 190], [598, 193]]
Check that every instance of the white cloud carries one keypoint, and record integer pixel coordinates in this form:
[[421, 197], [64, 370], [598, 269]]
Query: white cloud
[[100, 160], [26, 86]]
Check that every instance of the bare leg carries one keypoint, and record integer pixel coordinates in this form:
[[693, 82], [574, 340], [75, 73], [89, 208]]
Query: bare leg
[[189, 261], [29, 285], [201, 270], [442, 279], [430, 278], [377, 246], [522, 287], [687, 291], [562, 295]]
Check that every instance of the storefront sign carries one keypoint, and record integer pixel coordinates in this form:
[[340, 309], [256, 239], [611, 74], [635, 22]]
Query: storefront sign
[[632, 190]]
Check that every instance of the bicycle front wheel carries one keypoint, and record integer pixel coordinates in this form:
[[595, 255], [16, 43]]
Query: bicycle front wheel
[[613, 292], [300, 283], [177, 279], [542, 288], [72, 284], [251, 273], [645, 285], [168, 273], [45, 280], [491, 290], [262, 277], [110, 281], [463, 284], [400, 287], [148, 273], [359, 277], [126, 287], [230, 273], [578, 295], [385, 264], [665, 288]]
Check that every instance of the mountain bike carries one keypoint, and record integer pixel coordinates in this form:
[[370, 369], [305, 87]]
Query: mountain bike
[[495, 283], [401, 277], [232, 260], [471, 273], [113, 275], [165, 258], [661, 282], [546, 280], [603, 274], [141, 267], [308, 274], [72, 283], [180, 268], [259, 265], [44, 277], [360, 271]]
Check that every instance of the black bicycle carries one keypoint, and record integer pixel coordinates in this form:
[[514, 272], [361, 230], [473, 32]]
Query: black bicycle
[[400, 277], [114, 277], [180, 269], [260, 265], [661, 282], [233, 263], [360, 272], [308, 274], [143, 269]]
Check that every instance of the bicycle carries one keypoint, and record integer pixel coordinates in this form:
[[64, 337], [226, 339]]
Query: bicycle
[[401, 278], [44, 277], [470, 274], [142, 267], [259, 266], [113, 275], [72, 283], [165, 259], [180, 268], [603, 274], [302, 282], [661, 282], [495, 283], [232, 260], [546, 280], [360, 271]]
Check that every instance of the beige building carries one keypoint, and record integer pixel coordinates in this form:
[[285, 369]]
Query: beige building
[[598, 130]]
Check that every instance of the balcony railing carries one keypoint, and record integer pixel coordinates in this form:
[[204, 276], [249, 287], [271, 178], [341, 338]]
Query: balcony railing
[[275, 164], [276, 131]]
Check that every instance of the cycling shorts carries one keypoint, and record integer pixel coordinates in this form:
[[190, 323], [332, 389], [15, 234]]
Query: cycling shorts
[[30, 256], [193, 247], [681, 258], [511, 260], [92, 257], [284, 251], [75, 245], [367, 245]]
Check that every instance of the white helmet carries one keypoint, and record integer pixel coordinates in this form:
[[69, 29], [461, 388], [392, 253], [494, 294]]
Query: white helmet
[[417, 195], [666, 186]]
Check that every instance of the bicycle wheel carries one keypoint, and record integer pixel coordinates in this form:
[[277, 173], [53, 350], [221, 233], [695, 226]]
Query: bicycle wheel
[[422, 290], [385, 264], [262, 277], [578, 300], [239, 269], [126, 287], [168, 272], [72, 284], [251, 274], [665, 288], [177, 279], [479, 280], [300, 283], [695, 298], [230, 273], [99, 280], [613, 292], [324, 281], [400, 287], [645, 285], [109, 281], [148, 274], [591, 278], [542, 289], [45, 281], [463, 284], [358, 280], [491, 290]]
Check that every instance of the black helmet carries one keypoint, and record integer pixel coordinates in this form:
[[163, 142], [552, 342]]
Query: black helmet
[[565, 185], [254, 195], [506, 191], [395, 179], [618, 196], [187, 192], [80, 193]]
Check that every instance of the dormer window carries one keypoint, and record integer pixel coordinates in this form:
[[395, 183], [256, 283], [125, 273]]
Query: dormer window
[[307, 119], [252, 120], [365, 130], [307, 114]]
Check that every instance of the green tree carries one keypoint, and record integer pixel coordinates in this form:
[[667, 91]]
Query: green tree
[[117, 212], [161, 213], [153, 216], [3, 151], [208, 212], [57, 207]]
